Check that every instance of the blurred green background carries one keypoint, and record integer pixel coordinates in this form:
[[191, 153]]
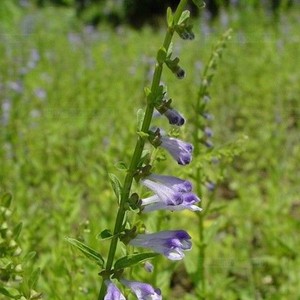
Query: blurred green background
[[72, 75]]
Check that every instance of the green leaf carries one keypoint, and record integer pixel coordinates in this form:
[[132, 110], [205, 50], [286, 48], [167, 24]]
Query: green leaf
[[87, 251], [17, 230], [6, 200], [170, 50], [147, 91], [199, 3], [11, 293], [161, 55], [121, 165], [140, 117], [184, 16], [105, 234], [130, 260], [34, 276], [29, 256], [116, 185], [170, 18]]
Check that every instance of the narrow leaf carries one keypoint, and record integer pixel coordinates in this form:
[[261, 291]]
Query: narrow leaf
[[87, 251], [17, 230], [140, 117], [169, 17], [199, 3], [34, 276], [8, 293], [121, 165], [116, 185], [161, 55], [184, 16], [130, 260], [29, 256]]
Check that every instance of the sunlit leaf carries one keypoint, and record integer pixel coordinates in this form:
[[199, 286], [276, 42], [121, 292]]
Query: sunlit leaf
[[116, 185], [87, 251], [169, 17], [130, 260], [184, 16]]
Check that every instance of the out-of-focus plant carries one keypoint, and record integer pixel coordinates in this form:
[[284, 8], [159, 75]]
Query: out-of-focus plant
[[17, 276], [207, 155]]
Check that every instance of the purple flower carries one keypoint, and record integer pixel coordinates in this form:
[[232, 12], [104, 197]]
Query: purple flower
[[148, 267], [113, 293], [180, 151], [208, 132], [174, 117], [171, 193], [143, 291], [208, 144], [170, 243], [210, 186], [207, 116]]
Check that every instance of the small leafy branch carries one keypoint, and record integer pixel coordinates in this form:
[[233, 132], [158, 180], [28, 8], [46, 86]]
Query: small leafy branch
[[17, 280], [170, 193], [206, 153]]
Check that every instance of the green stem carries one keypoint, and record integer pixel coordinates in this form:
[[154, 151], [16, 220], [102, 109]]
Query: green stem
[[138, 151], [200, 274]]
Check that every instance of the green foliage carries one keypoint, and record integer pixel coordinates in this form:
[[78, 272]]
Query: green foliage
[[130, 260], [18, 279], [63, 113], [87, 251]]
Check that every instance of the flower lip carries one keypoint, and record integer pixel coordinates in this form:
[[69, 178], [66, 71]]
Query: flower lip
[[173, 182]]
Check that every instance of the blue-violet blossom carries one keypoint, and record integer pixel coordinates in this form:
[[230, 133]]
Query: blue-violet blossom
[[174, 117], [113, 293], [143, 291], [180, 151], [170, 243], [171, 193]]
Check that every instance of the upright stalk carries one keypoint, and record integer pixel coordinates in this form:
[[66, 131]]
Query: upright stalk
[[138, 151]]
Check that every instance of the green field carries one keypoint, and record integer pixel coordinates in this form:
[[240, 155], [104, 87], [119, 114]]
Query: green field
[[69, 96]]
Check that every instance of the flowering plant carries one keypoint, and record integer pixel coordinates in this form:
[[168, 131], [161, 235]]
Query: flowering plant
[[170, 193]]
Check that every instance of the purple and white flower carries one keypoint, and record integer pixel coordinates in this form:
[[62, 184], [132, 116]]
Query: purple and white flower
[[170, 243], [143, 291], [171, 193], [113, 293], [180, 150]]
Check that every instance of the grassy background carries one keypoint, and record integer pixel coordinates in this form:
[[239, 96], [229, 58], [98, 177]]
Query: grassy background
[[69, 97]]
